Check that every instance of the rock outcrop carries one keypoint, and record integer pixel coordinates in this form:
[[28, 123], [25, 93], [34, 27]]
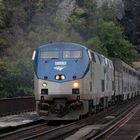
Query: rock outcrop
[[65, 9], [117, 4]]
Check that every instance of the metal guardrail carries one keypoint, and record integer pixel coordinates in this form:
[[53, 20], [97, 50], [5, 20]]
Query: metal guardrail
[[16, 105]]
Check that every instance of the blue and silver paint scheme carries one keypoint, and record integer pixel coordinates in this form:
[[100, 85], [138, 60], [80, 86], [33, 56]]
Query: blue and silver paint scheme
[[72, 80], [66, 66], [74, 69]]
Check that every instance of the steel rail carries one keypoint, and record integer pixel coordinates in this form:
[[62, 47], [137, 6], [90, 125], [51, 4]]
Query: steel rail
[[51, 132], [25, 130], [62, 131], [114, 126], [137, 137]]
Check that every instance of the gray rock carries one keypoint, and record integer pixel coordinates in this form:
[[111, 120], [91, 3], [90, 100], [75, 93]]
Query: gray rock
[[117, 4], [65, 9]]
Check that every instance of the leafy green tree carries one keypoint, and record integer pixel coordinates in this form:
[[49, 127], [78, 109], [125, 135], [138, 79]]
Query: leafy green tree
[[17, 79], [96, 45], [100, 29], [25, 25], [126, 51], [111, 35], [88, 15], [3, 27], [107, 13]]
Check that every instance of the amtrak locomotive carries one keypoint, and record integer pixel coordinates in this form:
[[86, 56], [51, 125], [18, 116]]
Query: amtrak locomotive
[[71, 81]]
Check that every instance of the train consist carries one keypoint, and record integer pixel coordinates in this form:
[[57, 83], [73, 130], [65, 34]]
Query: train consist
[[71, 81]]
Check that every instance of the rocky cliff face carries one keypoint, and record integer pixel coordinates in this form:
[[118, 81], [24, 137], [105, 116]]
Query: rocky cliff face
[[117, 4], [65, 9], [128, 13]]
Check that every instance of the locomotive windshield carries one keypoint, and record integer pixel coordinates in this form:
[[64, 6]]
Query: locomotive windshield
[[72, 54], [49, 54]]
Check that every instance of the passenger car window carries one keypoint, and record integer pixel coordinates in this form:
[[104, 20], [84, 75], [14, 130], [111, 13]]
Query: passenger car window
[[72, 54], [49, 54]]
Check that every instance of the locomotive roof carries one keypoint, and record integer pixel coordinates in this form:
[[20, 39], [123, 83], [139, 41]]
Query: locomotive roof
[[62, 45]]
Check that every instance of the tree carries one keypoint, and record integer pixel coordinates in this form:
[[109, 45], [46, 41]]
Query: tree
[[111, 35], [100, 29], [16, 78], [3, 27], [25, 25], [96, 45]]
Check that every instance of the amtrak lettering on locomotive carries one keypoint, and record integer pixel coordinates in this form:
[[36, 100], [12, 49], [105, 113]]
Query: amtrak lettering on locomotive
[[71, 81]]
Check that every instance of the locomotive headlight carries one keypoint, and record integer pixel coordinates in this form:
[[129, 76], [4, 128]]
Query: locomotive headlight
[[62, 77], [44, 84], [57, 77], [75, 84]]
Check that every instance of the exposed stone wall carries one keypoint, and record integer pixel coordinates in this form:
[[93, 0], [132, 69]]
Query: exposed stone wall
[[128, 13], [65, 9], [117, 4]]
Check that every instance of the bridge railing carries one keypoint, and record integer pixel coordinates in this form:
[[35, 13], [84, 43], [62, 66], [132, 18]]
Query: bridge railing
[[16, 105]]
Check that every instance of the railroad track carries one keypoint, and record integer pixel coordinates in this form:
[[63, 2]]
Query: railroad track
[[137, 137], [90, 126], [24, 132], [114, 127]]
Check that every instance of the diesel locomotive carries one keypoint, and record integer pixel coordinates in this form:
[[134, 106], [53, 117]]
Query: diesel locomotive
[[71, 80]]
